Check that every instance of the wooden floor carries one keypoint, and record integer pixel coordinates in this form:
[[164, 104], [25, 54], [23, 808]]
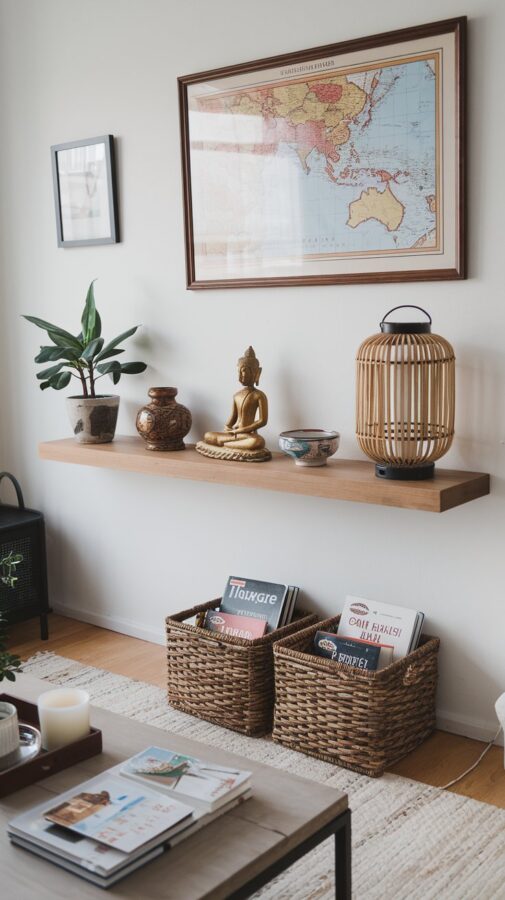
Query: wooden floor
[[440, 759]]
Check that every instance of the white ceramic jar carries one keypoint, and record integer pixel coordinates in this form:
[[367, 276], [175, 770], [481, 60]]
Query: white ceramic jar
[[9, 731]]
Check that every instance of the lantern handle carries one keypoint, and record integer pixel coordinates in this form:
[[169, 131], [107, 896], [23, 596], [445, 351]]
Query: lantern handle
[[17, 488], [407, 306]]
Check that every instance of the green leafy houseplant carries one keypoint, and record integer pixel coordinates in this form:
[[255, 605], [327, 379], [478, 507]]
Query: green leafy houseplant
[[9, 663], [8, 568], [84, 356]]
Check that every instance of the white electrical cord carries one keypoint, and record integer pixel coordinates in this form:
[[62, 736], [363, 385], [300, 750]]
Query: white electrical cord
[[449, 784]]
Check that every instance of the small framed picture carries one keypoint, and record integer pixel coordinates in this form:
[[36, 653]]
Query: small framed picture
[[85, 195]]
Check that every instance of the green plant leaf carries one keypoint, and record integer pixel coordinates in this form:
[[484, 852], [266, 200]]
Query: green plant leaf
[[57, 335], [120, 338], [91, 324], [66, 343], [48, 373], [50, 354], [57, 381], [92, 349], [98, 325], [133, 368], [108, 367], [106, 354], [60, 381], [111, 368]]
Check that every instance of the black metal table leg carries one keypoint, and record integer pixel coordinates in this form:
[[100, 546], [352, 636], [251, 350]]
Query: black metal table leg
[[343, 876], [341, 828]]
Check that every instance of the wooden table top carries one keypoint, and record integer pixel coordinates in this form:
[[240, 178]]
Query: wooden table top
[[283, 811]]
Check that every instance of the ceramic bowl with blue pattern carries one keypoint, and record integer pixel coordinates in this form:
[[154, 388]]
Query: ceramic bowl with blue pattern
[[309, 446]]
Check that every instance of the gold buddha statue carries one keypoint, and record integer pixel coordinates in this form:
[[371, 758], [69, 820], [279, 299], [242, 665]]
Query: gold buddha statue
[[240, 440]]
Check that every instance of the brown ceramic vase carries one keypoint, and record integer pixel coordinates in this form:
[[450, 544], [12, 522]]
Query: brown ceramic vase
[[163, 423]]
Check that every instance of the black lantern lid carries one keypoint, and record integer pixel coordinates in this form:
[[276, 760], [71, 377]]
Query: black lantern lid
[[406, 327]]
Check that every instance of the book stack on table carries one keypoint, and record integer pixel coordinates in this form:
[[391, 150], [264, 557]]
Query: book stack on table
[[249, 609], [114, 823]]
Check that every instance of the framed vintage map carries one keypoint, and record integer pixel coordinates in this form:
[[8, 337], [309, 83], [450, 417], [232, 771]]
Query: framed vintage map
[[339, 164]]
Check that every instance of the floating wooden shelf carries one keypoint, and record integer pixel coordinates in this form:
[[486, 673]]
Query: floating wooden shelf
[[340, 479]]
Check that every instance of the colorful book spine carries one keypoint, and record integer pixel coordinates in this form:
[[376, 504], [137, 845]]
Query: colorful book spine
[[262, 600], [349, 652], [236, 626]]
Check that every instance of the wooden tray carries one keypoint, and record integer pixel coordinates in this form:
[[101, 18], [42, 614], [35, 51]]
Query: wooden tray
[[47, 762]]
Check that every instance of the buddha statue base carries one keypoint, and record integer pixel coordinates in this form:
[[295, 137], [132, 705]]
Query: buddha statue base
[[233, 453]]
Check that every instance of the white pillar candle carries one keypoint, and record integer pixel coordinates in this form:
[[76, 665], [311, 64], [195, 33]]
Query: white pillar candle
[[63, 716]]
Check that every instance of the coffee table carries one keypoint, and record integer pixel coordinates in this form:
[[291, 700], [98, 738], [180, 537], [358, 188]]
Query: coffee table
[[231, 858]]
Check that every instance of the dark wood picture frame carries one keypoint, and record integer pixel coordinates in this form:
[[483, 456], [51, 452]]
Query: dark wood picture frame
[[110, 167], [456, 27]]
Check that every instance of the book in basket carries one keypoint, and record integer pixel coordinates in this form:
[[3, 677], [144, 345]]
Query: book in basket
[[236, 626], [273, 603], [358, 654], [381, 623]]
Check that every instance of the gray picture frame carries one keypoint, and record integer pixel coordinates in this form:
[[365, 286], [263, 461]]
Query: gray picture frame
[[110, 174]]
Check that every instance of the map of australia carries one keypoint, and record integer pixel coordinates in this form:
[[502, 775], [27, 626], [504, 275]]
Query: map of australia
[[330, 165]]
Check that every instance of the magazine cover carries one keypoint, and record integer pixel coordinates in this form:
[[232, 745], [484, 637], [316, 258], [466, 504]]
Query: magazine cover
[[258, 599], [185, 775], [86, 852], [380, 623], [113, 813]]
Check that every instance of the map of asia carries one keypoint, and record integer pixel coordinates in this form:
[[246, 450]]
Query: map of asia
[[319, 162]]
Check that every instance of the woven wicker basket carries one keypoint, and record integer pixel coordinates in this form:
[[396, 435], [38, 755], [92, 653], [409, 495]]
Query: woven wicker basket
[[226, 680], [364, 721]]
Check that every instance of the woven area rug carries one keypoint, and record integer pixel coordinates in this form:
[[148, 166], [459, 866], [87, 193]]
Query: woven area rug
[[410, 841]]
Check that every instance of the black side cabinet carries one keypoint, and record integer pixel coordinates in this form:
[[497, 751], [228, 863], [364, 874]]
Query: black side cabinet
[[23, 566]]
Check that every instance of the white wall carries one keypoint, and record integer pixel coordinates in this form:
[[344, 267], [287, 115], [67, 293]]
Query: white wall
[[126, 549]]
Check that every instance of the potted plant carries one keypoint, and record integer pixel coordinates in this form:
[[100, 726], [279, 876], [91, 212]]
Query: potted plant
[[88, 358], [8, 567], [9, 663]]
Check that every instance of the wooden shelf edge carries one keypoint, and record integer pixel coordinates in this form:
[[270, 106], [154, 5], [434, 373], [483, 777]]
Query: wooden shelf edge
[[340, 479]]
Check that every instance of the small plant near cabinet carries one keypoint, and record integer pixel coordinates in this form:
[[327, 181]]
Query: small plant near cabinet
[[10, 664], [8, 568], [87, 358]]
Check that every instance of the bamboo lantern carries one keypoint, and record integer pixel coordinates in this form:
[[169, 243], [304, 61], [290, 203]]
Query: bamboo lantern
[[405, 398]]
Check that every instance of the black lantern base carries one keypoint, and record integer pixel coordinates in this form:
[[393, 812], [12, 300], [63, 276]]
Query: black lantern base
[[405, 473]]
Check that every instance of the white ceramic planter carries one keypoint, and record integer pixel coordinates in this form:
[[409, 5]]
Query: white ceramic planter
[[93, 419]]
